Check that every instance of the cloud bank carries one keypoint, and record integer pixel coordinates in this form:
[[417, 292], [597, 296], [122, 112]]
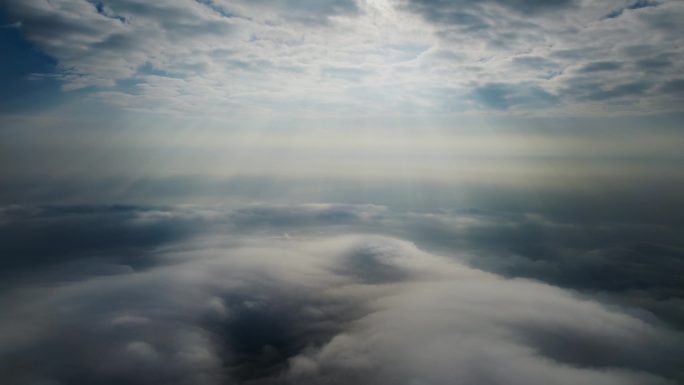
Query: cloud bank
[[324, 294]]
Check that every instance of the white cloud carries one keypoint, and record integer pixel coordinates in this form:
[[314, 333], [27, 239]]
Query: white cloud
[[324, 305], [343, 56], [473, 331]]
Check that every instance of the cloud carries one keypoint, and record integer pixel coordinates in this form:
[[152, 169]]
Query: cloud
[[654, 64], [601, 66], [210, 58], [544, 50], [636, 5], [622, 90], [51, 236], [499, 336], [455, 11], [16, 24], [332, 294], [673, 87]]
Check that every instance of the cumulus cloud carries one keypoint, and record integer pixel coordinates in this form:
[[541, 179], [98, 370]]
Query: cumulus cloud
[[473, 331], [324, 294]]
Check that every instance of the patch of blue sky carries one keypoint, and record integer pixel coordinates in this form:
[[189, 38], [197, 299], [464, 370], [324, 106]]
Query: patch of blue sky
[[216, 8], [25, 72], [104, 11], [149, 69], [408, 50], [636, 5]]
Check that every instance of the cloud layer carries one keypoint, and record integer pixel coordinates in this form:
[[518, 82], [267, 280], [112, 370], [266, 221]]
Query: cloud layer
[[367, 57], [324, 294]]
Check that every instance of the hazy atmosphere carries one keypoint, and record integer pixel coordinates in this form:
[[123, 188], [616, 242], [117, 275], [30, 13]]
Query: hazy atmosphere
[[342, 192]]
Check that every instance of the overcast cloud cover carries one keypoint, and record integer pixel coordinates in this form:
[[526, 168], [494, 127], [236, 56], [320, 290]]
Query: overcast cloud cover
[[276, 192]]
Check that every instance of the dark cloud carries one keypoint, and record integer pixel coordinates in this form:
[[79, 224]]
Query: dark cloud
[[41, 238], [654, 64], [619, 259]]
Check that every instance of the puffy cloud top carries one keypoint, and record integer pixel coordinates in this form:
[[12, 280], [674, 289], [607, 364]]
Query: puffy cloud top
[[330, 294]]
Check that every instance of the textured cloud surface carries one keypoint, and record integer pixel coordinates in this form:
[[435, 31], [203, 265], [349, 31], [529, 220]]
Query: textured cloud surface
[[324, 294], [366, 56]]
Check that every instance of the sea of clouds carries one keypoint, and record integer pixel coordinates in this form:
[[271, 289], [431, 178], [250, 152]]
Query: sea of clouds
[[333, 294]]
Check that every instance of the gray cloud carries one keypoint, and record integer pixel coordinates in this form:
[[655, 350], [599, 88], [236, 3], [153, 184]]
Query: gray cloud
[[587, 90], [457, 12], [601, 66], [280, 55], [436, 352], [654, 64], [309, 294], [673, 87], [537, 62], [634, 6]]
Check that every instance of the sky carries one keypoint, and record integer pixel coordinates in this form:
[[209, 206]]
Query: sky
[[341, 191]]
